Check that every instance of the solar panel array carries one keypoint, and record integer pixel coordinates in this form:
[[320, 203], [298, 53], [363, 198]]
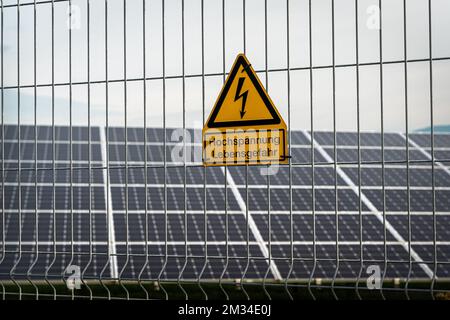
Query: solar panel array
[[90, 208]]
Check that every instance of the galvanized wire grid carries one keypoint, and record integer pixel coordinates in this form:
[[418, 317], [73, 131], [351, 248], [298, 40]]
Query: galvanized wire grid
[[118, 257]]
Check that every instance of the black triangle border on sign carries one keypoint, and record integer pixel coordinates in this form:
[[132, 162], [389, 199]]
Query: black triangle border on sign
[[276, 119]]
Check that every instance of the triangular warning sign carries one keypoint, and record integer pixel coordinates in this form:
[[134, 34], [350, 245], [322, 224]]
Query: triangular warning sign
[[244, 127], [243, 100]]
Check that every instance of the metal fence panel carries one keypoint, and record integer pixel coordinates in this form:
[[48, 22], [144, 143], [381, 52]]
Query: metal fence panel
[[104, 194]]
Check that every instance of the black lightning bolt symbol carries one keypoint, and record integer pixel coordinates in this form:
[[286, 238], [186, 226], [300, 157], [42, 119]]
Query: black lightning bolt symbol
[[242, 95]]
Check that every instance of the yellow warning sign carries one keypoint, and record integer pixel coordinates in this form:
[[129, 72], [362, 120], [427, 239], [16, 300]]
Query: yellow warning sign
[[244, 126]]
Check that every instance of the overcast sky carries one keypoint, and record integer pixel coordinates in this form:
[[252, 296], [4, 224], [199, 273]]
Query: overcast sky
[[392, 13]]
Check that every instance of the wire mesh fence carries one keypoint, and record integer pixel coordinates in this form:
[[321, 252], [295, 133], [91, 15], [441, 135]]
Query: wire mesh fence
[[104, 193]]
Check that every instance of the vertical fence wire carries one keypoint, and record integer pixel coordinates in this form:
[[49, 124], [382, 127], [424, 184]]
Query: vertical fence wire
[[433, 181], [291, 216], [36, 217], [91, 222], [205, 207], [185, 227], [227, 252], [312, 150], [247, 230], [125, 101], [144, 84], [268, 172], [408, 190], [358, 132], [383, 169], [19, 164], [3, 153], [164, 154], [335, 155], [109, 257], [53, 200], [72, 220]]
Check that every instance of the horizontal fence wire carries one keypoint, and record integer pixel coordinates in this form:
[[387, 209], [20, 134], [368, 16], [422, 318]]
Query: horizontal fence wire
[[217, 74], [107, 226]]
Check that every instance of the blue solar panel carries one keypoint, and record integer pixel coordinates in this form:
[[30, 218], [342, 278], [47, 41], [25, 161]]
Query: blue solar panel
[[225, 218]]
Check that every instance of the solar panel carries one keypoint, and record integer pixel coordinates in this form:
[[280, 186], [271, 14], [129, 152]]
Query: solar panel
[[218, 218]]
